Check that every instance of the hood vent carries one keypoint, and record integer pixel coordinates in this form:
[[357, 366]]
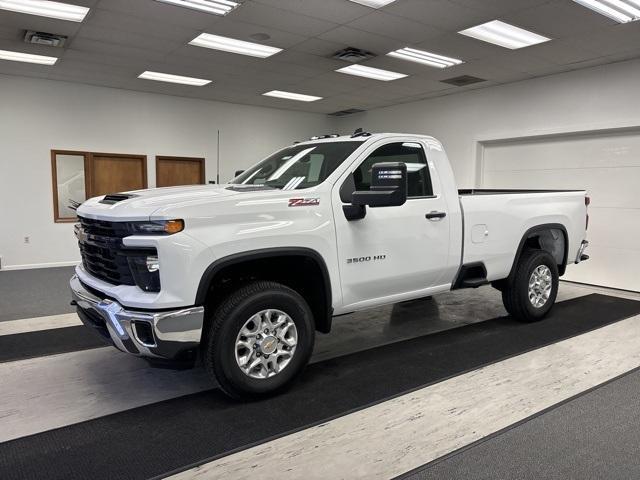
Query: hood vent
[[463, 80], [112, 198], [344, 113], [353, 55]]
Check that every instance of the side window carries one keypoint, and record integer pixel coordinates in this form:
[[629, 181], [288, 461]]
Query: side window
[[412, 154]]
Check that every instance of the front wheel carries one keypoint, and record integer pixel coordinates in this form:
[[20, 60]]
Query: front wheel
[[533, 290], [261, 338]]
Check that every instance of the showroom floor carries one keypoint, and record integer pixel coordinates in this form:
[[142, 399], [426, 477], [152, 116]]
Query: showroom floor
[[393, 390]]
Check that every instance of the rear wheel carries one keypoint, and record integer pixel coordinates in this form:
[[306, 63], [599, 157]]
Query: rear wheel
[[532, 292], [261, 338]]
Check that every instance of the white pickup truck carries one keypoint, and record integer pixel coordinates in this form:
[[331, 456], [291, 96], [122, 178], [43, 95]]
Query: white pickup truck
[[242, 275]]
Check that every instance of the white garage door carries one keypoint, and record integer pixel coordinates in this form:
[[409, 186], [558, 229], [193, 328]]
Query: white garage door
[[608, 167]]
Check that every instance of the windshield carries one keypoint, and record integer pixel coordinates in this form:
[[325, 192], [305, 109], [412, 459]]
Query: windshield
[[299, 166]]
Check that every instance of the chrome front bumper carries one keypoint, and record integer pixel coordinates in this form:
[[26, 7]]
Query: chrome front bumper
[[162, 335]]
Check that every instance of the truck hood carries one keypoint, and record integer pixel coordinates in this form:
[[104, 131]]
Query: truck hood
[[161, 202]]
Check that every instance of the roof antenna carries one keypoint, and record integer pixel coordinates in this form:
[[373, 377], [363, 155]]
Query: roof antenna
[[360, 133]]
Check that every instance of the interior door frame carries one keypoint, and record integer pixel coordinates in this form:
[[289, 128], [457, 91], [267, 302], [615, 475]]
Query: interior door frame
[[200, 160]]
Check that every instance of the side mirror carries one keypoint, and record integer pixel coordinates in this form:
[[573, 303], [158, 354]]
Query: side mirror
[[238, 173], [388, 189]]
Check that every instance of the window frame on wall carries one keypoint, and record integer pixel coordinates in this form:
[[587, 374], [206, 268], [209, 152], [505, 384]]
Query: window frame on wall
[[88, 176], [54, 181]]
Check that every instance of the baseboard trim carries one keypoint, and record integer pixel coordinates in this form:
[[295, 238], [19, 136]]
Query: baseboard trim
[[41, 265]]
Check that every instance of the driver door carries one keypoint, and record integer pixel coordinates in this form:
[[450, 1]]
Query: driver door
[[393, 253]]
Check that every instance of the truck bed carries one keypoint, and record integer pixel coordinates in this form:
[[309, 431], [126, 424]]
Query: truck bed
[[495, 221]]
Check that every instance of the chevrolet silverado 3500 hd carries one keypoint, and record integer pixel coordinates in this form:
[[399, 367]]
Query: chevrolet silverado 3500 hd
[[242, 275]]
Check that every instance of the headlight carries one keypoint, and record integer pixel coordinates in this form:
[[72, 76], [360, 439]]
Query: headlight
[[158, 227]]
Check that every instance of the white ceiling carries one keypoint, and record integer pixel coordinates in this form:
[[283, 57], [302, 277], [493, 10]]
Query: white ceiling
[[120, 39]]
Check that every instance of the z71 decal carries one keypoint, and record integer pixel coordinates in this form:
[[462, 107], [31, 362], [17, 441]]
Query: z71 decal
[[303, 202]]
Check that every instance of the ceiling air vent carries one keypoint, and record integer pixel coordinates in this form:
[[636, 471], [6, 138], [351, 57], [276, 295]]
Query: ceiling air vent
[[463, 80], [43, 38], [353, 55], [344, 113]]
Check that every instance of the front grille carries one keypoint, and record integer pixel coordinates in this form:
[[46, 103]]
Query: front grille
[[106, 263], [103, 254]]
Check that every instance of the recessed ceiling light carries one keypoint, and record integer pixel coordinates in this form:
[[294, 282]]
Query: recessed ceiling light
[[44, 8], [622, 11], [428, 58], [27, 57], [374, 3], [232, 45], [217, 7], [505, 35], [369, 72], [292, 96], [167, 77]]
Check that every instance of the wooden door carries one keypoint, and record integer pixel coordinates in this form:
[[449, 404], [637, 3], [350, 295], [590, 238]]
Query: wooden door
[[172, 171], [111, 173]]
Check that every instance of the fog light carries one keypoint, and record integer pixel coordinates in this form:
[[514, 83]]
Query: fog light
[[153, 264]]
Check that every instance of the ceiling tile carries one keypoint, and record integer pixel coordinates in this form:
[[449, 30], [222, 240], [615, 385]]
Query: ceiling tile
[[128, 39], [338, 11], [498, 8], [610, 40], [163, 13], [285, 20], [139, 25], [558, 19], [96, 49], [441, 14], [563, 52], [393, 26], [228, 27], [317, 46]]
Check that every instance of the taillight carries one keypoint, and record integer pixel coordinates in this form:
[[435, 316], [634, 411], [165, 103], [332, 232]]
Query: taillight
[[587, 201]]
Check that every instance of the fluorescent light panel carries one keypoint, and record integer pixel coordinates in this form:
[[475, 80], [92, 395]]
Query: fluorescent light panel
[[216, 42], [27, 57], [44, 8], [374, 3], [504, 35], [369, 72], [622, 11], [217, 7], [292, 96], [428, 58], [167, 77]]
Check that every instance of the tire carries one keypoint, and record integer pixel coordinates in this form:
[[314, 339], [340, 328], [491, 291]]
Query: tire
[[222, 356], [516, 294]]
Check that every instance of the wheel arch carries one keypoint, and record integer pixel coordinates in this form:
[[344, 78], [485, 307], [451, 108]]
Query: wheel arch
[[543, 235], [319, 299]]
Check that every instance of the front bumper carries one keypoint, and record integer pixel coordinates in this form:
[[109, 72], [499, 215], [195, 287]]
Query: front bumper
[[168, 334]]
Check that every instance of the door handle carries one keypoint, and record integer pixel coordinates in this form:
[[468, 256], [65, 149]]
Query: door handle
[[434, 215]]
